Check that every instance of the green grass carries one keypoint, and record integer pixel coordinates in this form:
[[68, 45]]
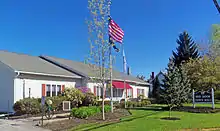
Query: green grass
[[203, 105], [147, 120]]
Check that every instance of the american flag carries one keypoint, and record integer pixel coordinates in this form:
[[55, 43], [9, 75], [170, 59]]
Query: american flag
[[115, 32]]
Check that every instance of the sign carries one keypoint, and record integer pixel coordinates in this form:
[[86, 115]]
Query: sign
[[203, 97], [43, 100]]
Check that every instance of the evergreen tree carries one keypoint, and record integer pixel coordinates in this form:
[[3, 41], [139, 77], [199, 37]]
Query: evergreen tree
[[156, 88], [176, 86], [186, 49]]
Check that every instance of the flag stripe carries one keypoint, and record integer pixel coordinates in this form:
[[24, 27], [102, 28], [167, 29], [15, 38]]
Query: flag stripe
[[116, 25], [115, 31], [116, 35], [117, 28]]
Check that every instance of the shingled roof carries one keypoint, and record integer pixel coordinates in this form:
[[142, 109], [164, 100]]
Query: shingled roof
[[32, 64], [86, 71]]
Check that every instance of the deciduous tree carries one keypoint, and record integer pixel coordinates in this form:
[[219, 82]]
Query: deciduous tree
[[99, 46]]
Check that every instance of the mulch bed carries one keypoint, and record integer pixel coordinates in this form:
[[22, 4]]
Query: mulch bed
[[197, 109], [170, 118], [68, 124]]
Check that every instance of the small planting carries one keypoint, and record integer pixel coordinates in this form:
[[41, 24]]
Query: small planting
[[85, 112]]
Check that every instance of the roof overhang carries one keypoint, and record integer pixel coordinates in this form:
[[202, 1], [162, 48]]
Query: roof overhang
[[136, 82], [46, 74]]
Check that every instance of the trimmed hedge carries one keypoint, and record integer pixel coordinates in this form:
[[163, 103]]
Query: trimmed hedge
[[85, 112]]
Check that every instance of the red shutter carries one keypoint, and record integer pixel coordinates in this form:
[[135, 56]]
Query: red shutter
[[43, 90], [63, 87], [94, 88]]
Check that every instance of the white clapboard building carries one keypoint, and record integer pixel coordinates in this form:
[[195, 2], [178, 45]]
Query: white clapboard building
[[23, 76]]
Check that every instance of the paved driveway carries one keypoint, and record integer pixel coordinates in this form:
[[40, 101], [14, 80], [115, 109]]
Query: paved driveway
[[19, 125]]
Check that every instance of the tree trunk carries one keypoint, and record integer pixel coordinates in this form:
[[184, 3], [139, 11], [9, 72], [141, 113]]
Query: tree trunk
[[217, 5], [103, 103], [170, 112]]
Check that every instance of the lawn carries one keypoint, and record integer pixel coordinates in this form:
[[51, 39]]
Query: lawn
[[149, 120]]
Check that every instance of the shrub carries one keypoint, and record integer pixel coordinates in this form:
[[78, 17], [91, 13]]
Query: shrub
[[84, 89], [57, 102], [89, 99], [74, 95], [99, 103], [107, 108], [217, 94], [143, 103], [85, 112], [27, 106]]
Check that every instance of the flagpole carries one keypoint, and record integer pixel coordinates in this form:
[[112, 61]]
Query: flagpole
[[124, 75], [110, 62]]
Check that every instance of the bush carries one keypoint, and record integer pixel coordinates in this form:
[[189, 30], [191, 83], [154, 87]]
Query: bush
[[217, 94], [27, 106], [57, 102], [89, 99], [107, 108], [74, 95], [143, 103], [99, 103], [85, 112]]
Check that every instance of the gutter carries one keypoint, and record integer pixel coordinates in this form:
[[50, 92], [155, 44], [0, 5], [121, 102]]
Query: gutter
[[44, 74]]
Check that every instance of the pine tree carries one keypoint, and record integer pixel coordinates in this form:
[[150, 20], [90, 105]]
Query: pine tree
[[176, 87], [156, 88], [187, 49]]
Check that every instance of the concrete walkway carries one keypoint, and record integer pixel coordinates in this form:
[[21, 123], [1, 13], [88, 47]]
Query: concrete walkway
[[18, 125]]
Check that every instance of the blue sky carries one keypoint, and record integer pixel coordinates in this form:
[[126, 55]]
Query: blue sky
[[58, 28]]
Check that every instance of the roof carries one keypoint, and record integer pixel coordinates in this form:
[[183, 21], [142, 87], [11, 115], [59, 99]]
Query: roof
[[32, 65], [86, 70]]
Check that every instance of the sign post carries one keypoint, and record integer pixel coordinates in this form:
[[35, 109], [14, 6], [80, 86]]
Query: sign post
[[213, 101], [193, 99]]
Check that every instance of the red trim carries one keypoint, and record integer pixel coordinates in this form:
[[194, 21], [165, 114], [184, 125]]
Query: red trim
[[43, 89], [63, 87], [94, 88]]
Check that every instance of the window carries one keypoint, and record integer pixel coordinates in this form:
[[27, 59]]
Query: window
[[117, 92], [140, 92], [58, 90], [53, 90], [129, 93], [48, 90]]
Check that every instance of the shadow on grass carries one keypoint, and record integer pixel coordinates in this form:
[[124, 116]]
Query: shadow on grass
[[116, 122]]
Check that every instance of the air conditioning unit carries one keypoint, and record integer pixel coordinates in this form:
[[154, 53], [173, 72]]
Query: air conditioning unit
[[66, 106]]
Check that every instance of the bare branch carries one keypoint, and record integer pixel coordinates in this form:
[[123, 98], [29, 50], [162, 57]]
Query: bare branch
[[217, 5]]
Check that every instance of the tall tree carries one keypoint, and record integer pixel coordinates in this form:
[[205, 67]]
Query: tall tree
[[186, 49], [99, 47], [176, 86], [204, 73], [217, 5], [156, 88]]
